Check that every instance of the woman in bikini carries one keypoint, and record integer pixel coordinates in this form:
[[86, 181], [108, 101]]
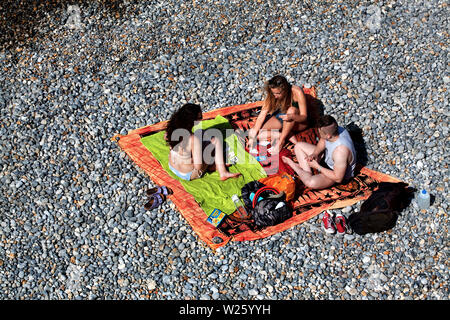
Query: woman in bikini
[[284, 109], [188, 158]]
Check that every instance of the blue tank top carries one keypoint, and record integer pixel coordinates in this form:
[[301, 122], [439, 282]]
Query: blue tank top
[[346, 140]]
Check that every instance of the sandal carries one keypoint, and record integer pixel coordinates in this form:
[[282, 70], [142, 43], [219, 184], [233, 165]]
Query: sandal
[[155, 201], [159, 190]]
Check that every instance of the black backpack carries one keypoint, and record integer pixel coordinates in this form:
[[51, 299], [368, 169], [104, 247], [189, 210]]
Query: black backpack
[[271, 210], [380, 211]]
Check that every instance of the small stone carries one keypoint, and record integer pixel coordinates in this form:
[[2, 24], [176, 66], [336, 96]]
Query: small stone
[[123, 282], [382, 277], [151, 284], [349, 237], [351, 291], [253, 292]]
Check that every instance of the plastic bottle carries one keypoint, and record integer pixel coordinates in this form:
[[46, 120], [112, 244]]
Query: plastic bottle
[[239, 205], [423, 199]]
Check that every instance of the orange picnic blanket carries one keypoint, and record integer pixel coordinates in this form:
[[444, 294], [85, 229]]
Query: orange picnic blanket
[[307, 204]]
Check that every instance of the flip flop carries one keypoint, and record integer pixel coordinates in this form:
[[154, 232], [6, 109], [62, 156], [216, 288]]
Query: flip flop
[[161, 190], [155, 201]]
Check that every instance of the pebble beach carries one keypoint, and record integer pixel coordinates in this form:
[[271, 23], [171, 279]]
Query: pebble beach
[[74, 74]]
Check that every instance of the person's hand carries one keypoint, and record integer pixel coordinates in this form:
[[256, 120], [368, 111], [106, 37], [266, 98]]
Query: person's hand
[[311, 157], [251, 138], [287, 117], [313, 164], [250, 143]]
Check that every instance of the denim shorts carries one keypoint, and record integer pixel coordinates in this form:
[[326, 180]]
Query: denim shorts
[[276, 114]]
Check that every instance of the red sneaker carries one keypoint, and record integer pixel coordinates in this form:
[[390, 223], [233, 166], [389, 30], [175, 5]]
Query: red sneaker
[[339, 222], [327, 223]]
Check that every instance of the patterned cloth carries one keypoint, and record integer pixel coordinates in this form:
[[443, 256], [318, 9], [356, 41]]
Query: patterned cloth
[[307, 203]]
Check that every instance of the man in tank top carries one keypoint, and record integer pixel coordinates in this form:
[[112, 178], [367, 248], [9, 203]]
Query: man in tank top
[[335, 147]]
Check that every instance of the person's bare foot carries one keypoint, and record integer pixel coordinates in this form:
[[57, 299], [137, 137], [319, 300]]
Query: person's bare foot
[[228, 175], [288, 161]]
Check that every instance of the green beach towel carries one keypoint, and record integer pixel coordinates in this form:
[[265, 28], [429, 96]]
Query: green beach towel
[[209, 191]]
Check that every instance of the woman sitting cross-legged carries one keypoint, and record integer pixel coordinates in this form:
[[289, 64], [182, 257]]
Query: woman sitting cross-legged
[[283, 114], [188, 157]]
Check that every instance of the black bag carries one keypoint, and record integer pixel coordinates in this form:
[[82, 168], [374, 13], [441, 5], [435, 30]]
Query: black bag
[[380, 211], [247, 190], [271, 210]]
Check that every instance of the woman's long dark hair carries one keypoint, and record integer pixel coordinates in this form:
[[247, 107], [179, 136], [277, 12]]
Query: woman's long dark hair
[[183, 118], [278, 82]]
